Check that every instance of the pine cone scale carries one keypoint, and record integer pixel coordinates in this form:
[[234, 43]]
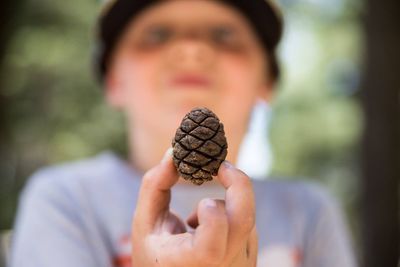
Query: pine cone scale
[[181, 153], [203, 133], [191, 142], [210, 148], [188, 125], [197, 116], [210, 123]]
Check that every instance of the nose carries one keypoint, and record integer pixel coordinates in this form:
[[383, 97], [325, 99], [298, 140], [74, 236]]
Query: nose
[[190, 52]]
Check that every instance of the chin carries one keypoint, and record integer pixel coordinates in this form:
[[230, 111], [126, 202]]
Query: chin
[[188, 105], [185, 101], [176, 108]]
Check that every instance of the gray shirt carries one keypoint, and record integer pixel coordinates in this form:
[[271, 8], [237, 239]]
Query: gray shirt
[[79, 214]]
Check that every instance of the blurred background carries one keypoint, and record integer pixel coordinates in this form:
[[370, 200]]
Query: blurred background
[[339, 60]]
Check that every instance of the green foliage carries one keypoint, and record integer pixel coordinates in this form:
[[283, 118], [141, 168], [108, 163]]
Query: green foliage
[[55, 108], [58, 108], [316, 116], [317, 119]]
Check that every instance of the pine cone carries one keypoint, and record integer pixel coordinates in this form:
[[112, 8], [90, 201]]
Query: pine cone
[[199, 146]]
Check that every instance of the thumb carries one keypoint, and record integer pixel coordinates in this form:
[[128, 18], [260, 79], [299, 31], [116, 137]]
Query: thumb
[[155, 194], [211, 236]]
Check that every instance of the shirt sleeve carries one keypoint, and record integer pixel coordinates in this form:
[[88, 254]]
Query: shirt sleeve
[[50, 229], [328, 242]]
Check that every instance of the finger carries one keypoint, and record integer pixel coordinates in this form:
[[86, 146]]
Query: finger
[[206, 246], [240, 204], [211, 236], [193, 220], [239, 196], [252, 247], [247, 255], [155, 194]]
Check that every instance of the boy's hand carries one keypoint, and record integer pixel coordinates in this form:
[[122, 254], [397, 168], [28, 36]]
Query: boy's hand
[[224, 234]]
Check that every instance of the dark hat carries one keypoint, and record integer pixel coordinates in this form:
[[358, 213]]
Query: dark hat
[[264, 16]]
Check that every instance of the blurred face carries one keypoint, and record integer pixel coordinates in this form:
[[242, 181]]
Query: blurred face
[[178, 55]]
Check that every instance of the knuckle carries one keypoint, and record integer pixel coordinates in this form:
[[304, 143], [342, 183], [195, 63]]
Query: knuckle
[[243, 180], [148, 179], [247, 223]]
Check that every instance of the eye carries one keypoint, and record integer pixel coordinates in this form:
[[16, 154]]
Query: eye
[[225, 36], [156, 35]]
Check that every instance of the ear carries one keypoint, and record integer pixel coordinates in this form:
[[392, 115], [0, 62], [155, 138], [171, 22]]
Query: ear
[[114, 92]]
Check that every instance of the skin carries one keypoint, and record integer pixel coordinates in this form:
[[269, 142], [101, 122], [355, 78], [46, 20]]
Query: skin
[[168, 40], [224, 235], [140, 78]]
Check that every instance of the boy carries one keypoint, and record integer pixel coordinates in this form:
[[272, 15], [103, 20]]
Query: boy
[[157, 61]]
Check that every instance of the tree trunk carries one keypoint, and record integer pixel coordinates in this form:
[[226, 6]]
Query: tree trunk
[[381, 146]]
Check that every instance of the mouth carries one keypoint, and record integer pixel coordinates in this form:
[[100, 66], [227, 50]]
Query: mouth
[[191, 81]]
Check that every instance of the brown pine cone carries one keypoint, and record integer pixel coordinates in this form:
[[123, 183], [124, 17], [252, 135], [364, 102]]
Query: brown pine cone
[[199, 146]]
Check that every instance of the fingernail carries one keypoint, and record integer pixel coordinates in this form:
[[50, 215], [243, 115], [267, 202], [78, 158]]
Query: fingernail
[[210, 203], [228, 164], [167, 155]]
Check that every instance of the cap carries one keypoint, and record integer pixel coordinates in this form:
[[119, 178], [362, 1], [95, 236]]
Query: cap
[[263, 15]]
